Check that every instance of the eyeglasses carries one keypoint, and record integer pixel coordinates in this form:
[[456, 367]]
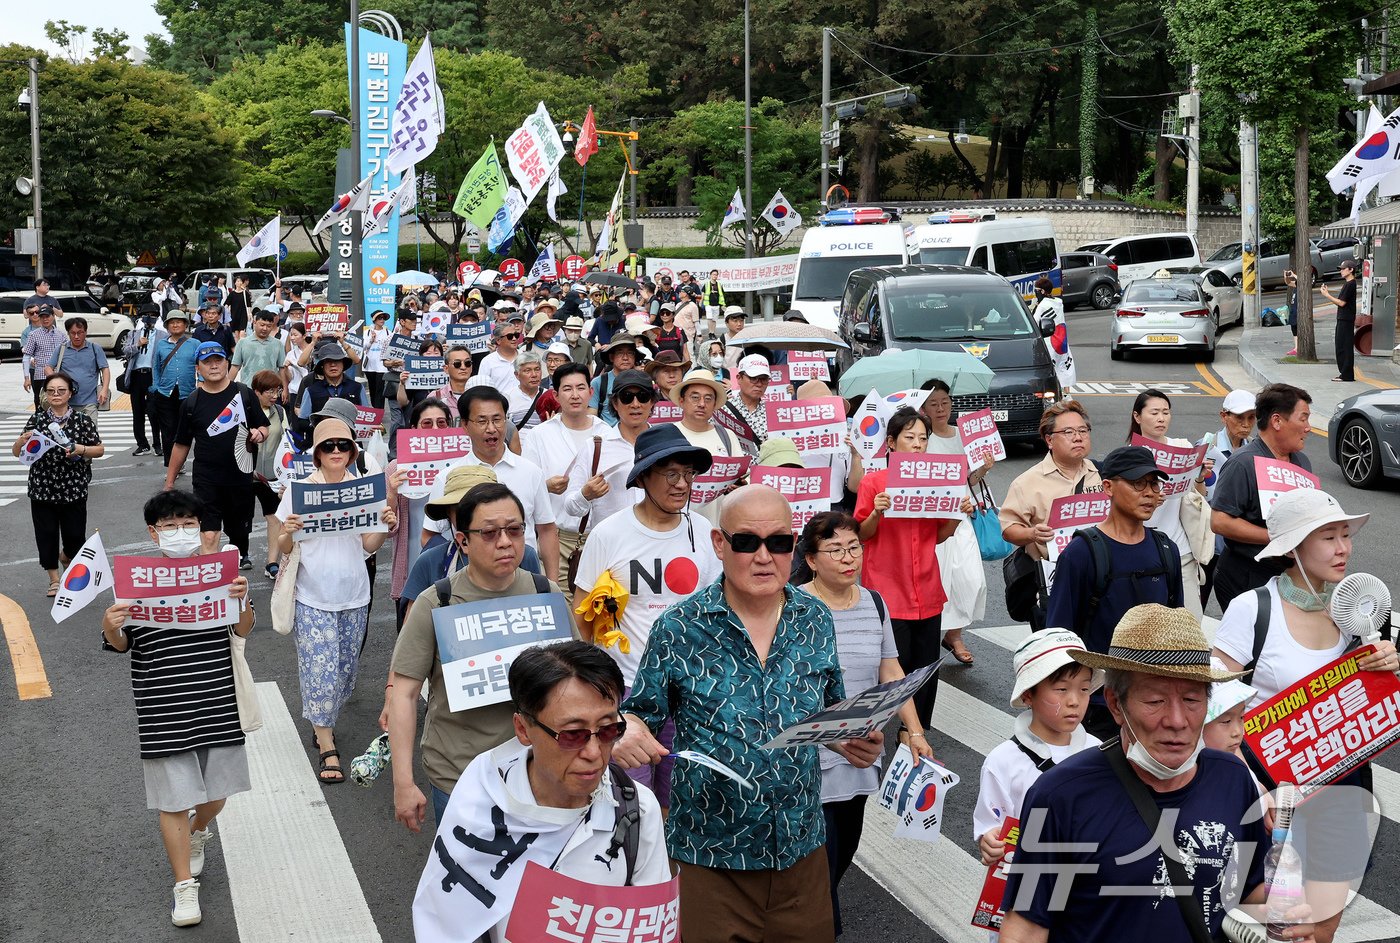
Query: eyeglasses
[[837, 553], [676, 476], [1079, 432], [493, 534], [189, 530], [628, 397], [578, 739], [459, 363], [438, 423], [749, 543], [496, 423], [1143, 485], [336, 445]]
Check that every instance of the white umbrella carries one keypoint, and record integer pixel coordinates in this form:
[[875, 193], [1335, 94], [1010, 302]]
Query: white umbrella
[[411, 277]]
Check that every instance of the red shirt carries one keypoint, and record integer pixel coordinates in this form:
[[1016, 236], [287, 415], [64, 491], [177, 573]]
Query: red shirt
[[901, 560]]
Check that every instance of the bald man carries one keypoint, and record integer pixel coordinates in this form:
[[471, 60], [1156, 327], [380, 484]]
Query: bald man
[[734, 665]]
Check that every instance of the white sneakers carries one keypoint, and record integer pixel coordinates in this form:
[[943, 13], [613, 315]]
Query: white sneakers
[[197, 842], [185, 911]]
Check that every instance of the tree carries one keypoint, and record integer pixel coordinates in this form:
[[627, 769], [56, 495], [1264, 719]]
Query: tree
[[110, 43], [208, 36]]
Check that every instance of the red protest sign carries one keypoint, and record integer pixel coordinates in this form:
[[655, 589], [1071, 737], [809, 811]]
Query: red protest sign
[[808, 366], [326, 318], [553, 906], [178, 593], [808, 490], [665, 411], [981, 439], [1319, 729], [367, 420], [466, 269], [575, 267], [925, 485], [512, 270], [1276, 478], [424, 454], [1180, 463], [815, 426], [724, 472], [989, 914]]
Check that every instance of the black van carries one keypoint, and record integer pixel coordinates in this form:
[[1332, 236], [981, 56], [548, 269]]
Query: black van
[[955, 307]]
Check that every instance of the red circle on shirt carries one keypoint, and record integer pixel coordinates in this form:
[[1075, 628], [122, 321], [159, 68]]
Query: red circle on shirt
[[682, 576]]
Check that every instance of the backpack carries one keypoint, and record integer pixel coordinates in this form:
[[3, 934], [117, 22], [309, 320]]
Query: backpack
[[1263, 610], [1103, 575], [444, 588]]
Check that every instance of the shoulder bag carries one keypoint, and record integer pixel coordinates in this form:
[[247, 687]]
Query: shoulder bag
[[284, 592], [571, 568], [249, 712], [987, 526]]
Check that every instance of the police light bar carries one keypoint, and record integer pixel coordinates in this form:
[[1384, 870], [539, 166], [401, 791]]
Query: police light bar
[[854, 216], [961, 216]]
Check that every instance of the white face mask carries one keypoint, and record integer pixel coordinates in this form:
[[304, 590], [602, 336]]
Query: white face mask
[[182, 542], [717, 362], [1138, 754]]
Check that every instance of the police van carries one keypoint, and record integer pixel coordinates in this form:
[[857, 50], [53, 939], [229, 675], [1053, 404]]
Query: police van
[[844, 240], [1020, 249]]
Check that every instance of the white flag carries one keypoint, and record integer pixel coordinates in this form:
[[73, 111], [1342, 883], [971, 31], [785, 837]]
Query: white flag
[[34, 448], [408, 195], [232, 417], [418, 115], [735, 212], [556, 190], [265, 243], [544, 266], [356, 199], [88, 574], [1375, 155], [781, 215], [382, 208], [608, 252]]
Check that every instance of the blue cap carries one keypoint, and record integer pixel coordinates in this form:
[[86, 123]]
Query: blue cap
[[210, 349]]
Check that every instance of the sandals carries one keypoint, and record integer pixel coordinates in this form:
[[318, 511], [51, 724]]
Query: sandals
[[53, 588], [327, 768], [959, 650]]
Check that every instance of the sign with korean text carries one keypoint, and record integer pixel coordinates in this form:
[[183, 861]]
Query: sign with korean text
[[326, 318], [1319, 729], [482, 192], [575, 267], [808, 490], [1276, 478], [989, 914], [815, 426], [552, 906], [383, 62], [778, 374], [423, 454], [922, 484], [855, 717], [402, 346], [424, 373], [512, 270], [533, 151], [1180, 463], [915, 793], [351, 506], [367, 420], [468, 269], [476, 335], [723, 473], [725, 417], [981, 439], [735, 275], [777, 393], [178, 593], [1069, 514], [665, 411], [807, 366], [478, 641]]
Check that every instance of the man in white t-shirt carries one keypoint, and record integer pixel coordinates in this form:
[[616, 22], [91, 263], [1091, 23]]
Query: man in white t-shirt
[[659, 552], [498, 367]]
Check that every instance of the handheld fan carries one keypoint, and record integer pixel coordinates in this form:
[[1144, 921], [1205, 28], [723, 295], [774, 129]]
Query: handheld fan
[[1361, 605], [1239, 927]]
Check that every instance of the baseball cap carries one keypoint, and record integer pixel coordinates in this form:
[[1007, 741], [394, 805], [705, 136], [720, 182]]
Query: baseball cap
[[210, 349], [1238, 402], [1347, 263], [630, 380], [734, 311], [754, 365], [1129, 462], [45, 310]]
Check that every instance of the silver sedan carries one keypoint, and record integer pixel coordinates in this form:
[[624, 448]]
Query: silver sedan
[[1165, 312]]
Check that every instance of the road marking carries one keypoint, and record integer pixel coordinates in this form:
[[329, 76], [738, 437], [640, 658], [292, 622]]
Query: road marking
[[1378, 384], [1213, 385], [30, 679], [289, 874], [1134, 387]]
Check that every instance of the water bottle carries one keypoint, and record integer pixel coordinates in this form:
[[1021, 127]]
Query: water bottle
[[1283, 872]]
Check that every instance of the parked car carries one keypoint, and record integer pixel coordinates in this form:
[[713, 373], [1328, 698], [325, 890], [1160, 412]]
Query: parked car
[[1226, 301], [1168, 311], [1140, 256], [1275, 258], [312, 287], [1363, 437], [259, 283], [1335, 251], [107, 329], [1088, 278]]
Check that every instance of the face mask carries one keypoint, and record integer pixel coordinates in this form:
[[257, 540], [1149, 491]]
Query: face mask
[[178, 543], [717, 362], [1138, 754], [1308, 600]]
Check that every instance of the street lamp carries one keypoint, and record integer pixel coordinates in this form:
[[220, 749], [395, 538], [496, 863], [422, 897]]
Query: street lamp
[[331, 115], [32, 185]]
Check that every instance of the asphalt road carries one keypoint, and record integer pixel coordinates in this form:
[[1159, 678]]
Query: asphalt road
[[82, 858]]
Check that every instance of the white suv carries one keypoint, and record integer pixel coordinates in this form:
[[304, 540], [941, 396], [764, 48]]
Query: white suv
[[107, 329]]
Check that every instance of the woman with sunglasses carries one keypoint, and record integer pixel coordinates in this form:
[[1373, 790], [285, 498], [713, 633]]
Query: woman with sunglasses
[[59, 478], [901, 561], [332, 597]]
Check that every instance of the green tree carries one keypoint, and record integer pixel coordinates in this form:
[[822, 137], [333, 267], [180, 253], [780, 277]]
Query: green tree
[[454, 24], [208, 36]]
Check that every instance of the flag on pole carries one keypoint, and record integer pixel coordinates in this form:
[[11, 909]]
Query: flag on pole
[[381, 209], [503, 224], [232, 417], [607, 253], [408, 195], [483, 189], [88, 574], [781, 215], [556, 190], [587, 144], [356, 199], [418, 117], [544, 266], [1377, 154], [735, 213], [264, 243], [533, 150]]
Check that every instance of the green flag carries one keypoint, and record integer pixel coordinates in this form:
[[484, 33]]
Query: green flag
[[483, 190]]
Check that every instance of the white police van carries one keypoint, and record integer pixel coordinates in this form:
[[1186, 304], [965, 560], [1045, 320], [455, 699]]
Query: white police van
[[1020, 250], [846, 239]]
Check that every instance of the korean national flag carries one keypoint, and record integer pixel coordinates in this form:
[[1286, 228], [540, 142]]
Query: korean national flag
[[89, 574], [1377, 154], [232, 417], [781, 215], [735, 212]]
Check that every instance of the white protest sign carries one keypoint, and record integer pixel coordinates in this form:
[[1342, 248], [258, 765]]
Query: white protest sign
[[921, 484], [424, 373], [533, 151], [1276, 478], [807, 366], [915, 793], [855, 717], [981, 439], [351, 506], [477, 642], [1180, 463]]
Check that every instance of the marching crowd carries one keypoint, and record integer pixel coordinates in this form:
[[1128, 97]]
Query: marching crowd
[[703, 632]]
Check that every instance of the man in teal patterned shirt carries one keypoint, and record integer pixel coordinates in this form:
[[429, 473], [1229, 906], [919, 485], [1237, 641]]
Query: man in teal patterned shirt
[[735, 664]]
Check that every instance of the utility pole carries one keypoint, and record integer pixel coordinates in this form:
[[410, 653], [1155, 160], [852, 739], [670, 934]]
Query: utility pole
[[1189, 108], [34, 167], [1249, 219], [826, 113], [357, 282], [632, 177], [748, 156]]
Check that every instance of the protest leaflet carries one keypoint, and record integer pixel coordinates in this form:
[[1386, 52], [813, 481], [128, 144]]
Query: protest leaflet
[[476, 335], [401, 347], [324, 318], [351, 506], [981, 439], [478, 641], [1319, 729], [1180, 463], [807, 366], [724, 472], [915, 792], [665, 411], [426, 453], [553, 906], [424, 373], [926, 485], [989, 914], [367, 420], [855, 717], [808, 490], [1069, 514], [184, 593], [815, 426], [1276, 478]]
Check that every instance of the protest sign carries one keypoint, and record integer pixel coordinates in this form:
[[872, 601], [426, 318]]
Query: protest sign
[[989, 914], [981, 439], [1069, 514], [402, 346], [367, 420], [575, 267], [1319, 729], [183, 593], [808, 490], [554, 906], [665, 411], [424, 373], [778, 373], [815, 426], [477, 642], [512, 270], [476, 335], [855, 717], [807, 366], [915, 792], [921, 484], [1180, 463], [351, 506], [533, 151], [423, 454], [1276, 478], [777, 393], [724, 472], [325, 318], [726, 417]]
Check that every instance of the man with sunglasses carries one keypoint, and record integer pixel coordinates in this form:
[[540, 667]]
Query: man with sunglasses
[[735, 664], [457, 363], [498, 367]]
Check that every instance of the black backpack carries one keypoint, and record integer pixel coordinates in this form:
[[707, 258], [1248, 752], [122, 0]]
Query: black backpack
[[1104, 576]]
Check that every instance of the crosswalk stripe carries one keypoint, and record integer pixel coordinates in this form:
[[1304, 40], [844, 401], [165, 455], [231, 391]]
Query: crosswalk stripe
[[114, 428]]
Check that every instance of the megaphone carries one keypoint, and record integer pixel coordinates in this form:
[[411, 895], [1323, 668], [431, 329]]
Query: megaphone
[[24, 185]]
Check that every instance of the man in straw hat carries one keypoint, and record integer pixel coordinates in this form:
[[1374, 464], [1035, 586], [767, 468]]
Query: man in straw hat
[[620, 354], [1089, 867]]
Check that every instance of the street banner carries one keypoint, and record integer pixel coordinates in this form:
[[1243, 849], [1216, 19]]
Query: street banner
[[554, 906], [533, 151], [483, 189], [988, 915], [1321, 728], [426, 453], [609, 251], [418, 115], [803, 366], [1180, 463], [476, 335], [781, 215], [351, 506], [291, 465], [383, 62], [477, 641], [185, 593], [926, 485], [808, 490], [367, 421], [424, 373], [89, 573], [869, 427], [402, 346], [815, 426], [724, 472], [1069, 514], [264, 242], [232, 416], [915, 793], [736, 275], [1276, 478], [855, 717], [324, 318], [665, 411], [981, 439], [37, 444]]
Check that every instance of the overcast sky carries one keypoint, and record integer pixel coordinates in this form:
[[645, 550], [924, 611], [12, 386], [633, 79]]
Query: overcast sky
[[24, 19]]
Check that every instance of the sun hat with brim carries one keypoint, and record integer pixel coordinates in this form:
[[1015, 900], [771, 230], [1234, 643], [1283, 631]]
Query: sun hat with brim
[[662, 443], [539, 322], [1298, 513], [667, 358], [639, 324], [620, 340], [702, 377], [1226, 695], [459, 481], [1041, 655], [549, 303], [1157, 640], [331, 428], [337, 408], [778, 452], [575, 323]]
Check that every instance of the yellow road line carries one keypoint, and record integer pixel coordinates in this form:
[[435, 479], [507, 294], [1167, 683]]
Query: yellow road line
[[1213, 384], [30, 679], [1378, 384]]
